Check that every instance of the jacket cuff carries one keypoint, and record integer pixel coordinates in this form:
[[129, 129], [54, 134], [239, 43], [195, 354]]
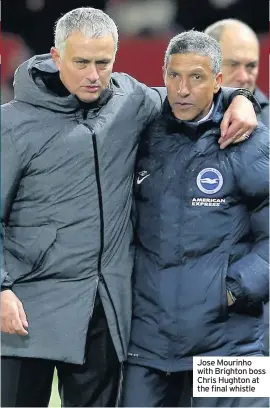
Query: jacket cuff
[[3, 288], [235, 288], [6, 282]]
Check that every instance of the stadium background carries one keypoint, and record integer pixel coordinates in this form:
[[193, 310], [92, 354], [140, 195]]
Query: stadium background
[[144, 25]]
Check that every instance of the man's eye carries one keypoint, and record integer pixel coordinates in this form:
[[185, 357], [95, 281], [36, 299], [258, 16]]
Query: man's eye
[[173, 75], [251, 66], [102, 64], [196, 76]]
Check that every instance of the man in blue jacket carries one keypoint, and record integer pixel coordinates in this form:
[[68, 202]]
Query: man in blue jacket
[[200, 281], [240, 49]]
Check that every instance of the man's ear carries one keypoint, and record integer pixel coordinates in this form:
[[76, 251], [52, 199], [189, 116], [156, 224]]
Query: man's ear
[[164, 71], [218, 82], [55, 56]]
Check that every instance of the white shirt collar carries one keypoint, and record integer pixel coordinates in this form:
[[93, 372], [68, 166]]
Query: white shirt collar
[[208, 115]]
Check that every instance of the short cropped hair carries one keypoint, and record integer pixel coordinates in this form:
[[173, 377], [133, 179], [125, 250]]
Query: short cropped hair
[[195, 42], [88, 21]]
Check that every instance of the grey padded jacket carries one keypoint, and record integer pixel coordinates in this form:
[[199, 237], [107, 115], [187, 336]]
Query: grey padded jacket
[[67, 171]]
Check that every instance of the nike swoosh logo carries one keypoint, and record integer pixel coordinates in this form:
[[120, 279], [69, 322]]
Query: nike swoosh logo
[[139, 181]]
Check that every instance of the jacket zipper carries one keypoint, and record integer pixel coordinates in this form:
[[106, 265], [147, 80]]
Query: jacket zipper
[[100, 276], [100, 204]]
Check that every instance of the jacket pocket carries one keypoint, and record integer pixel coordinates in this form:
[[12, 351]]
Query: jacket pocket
[[224, 299], [202, 305], [25, 249]]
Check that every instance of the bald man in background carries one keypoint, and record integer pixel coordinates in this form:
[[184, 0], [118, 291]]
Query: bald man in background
[[241, 51]]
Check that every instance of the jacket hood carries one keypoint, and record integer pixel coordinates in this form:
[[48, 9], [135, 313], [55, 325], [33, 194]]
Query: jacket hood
[[30, 87]]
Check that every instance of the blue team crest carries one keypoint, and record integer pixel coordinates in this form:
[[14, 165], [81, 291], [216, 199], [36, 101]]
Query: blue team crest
[[209, 181]]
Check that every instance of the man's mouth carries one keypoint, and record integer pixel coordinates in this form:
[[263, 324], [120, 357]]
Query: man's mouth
[[92, 88], [184, 105]]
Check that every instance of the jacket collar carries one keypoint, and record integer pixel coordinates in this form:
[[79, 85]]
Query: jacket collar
[[53, 82], [195, 129], [37, 82]]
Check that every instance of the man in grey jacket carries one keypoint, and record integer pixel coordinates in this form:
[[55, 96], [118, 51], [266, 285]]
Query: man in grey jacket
[[69, 140]]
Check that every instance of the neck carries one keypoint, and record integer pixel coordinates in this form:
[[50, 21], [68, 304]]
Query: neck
[[207, 115], [203, 117]]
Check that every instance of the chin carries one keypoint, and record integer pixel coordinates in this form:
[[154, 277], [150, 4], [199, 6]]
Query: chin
[[88, 99], [188, 115], [186, 118]]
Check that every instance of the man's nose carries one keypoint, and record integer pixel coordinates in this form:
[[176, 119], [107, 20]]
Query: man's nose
[[92, 74], [241, 75], [183, 89]]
